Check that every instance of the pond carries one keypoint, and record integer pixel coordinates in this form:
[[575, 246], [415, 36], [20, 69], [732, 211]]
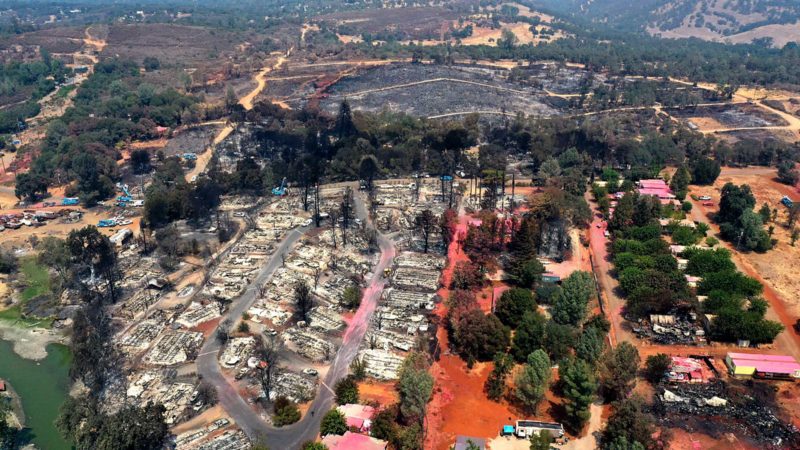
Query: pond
[[42, 386]]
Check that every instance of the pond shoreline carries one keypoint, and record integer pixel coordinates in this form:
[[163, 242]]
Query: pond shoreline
[[30, 342], [16, 404]]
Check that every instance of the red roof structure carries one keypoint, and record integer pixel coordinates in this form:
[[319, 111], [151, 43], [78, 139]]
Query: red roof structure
[[655, 188], [353, 441], [688, 370], [358, 416]]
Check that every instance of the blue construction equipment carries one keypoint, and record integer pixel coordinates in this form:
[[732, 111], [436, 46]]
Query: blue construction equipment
[[787, 202], [106, 223], [70, 201], [190, 156], [124, 198], [447, 178], [280, 190]]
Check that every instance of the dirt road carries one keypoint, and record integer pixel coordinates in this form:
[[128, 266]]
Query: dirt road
[[788, 341], [247, 103]]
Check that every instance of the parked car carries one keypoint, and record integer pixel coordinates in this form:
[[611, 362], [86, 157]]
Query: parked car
[[310, 371], [705, 197]]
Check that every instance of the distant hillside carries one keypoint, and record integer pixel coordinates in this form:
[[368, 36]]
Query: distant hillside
[[773, 22]]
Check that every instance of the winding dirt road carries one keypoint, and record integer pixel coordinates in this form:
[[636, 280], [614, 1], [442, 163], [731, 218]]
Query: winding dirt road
[[247, 102]]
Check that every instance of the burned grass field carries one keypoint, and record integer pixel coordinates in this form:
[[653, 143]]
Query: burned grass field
[[406, 23], [748, 410], [54, 40], [729, 116], [433, 90]]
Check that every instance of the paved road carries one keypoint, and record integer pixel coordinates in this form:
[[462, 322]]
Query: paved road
[[292, 436], [207, 362]]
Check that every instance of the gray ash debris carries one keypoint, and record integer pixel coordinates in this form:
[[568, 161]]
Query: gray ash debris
[[747, 410]]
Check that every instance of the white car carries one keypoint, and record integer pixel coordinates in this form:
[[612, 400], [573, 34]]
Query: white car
[[239, 214], [307, 222], [310, 371], [193, 179], [705, 197]]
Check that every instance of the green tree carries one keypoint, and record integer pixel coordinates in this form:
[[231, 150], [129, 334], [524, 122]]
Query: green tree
[[314, 446], [541, 441], [570, 306], [752, 234], [549, 171], [621, 443], [590, 344], [558, 339], [578, 385], [415, 387], [333, 422], [410, 438], [735, 200], [680, 183], [131, 428], [351, 297], [30, 186], [656, 366], [513, 304], [529, 273], [530, 335], [285, 412], [618, 370], [705, 171], [495, 385], [765, 213], [532, 382], [384, 424], [630, 422], [788, 173], [507, 39], [479, 337], [347, 391], [8, 433]]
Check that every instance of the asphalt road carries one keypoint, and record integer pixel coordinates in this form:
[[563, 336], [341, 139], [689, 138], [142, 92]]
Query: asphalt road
[[293, 436], [207, 360]]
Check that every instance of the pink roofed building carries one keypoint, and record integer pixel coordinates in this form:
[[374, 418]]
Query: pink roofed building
[[655, 188], [358, 417], [353, 441], [762, 366], [652, 184], [688, 370]]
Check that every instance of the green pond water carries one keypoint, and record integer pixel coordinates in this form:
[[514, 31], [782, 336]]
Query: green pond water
[[43, 387]]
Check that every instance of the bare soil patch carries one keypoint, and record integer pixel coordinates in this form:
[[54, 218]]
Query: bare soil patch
[[777, 267]]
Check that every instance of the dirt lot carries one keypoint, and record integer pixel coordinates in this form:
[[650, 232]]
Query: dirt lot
[[779, 266]]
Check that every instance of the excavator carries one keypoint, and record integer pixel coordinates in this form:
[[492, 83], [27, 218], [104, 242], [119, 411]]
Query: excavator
[[280, 191]]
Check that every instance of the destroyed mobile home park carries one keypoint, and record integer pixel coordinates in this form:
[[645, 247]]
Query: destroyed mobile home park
[[170, 324]]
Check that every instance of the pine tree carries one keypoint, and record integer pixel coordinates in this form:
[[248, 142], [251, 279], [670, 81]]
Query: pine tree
[[579, 386], [532, 383]]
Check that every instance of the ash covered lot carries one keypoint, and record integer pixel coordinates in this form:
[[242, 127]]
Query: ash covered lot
[[431, 90]]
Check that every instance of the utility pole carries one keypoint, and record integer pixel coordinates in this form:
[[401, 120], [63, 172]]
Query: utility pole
[[513, 186]]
